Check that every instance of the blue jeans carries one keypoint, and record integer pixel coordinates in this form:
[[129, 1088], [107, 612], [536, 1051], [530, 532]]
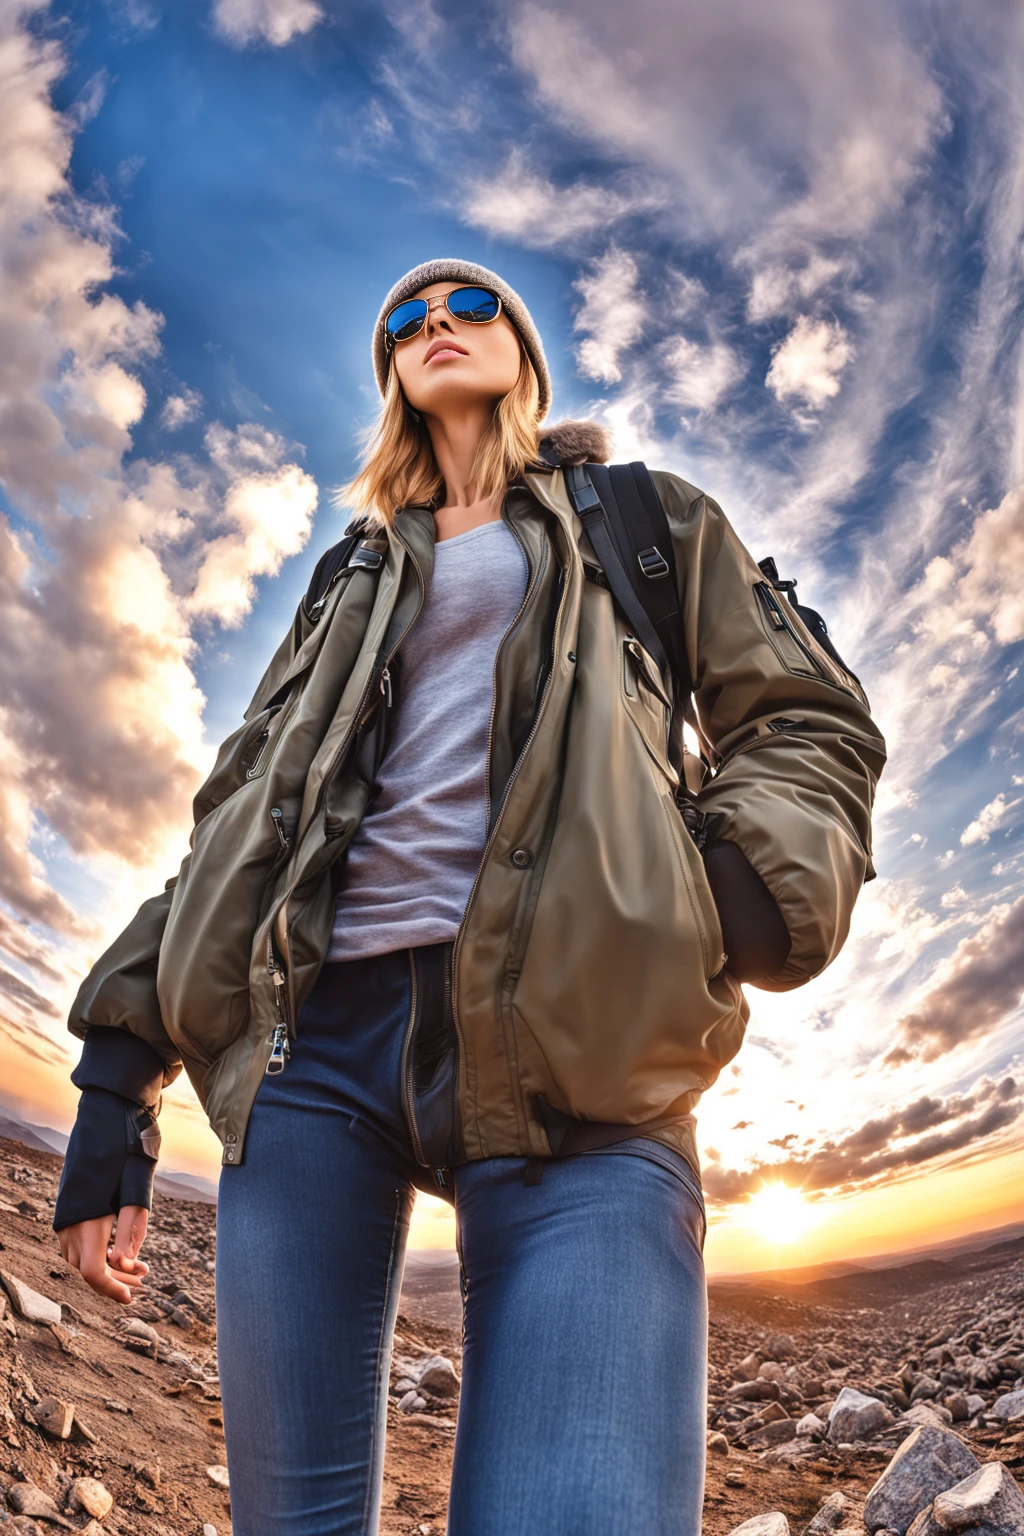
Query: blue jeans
[[585, 1321]]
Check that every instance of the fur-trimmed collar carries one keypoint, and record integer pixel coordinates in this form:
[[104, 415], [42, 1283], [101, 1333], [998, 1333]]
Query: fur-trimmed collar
[[575, 442]]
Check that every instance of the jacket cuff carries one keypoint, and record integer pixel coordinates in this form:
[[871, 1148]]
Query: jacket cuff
[[122, 1063], [136, 1186]]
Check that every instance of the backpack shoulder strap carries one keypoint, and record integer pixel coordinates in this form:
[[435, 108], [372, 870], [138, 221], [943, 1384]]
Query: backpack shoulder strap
[[353, 549], [621, 511]]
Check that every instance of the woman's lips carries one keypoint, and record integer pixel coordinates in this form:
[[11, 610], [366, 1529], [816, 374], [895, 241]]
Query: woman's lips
[[444, 352]]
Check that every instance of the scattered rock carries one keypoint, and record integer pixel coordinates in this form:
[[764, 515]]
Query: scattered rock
[[988, 1502], [829, 1517], [412, 1402], [54, 1417], [755, 1391], [936, 1414], [718, 1445], [89, 1494], [140, 1336], [30, 1304], [928, 1462], [218, 1477], [1009, 1406], [811, 1425], [781, 1346], [854, 1416], [748, 1368], [776, 1432], [774, 1523], [438, 1375], [771, 1370], [27, 1499]]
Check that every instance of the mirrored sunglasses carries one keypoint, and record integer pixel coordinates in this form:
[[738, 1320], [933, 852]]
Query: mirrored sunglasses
[[475, 305]]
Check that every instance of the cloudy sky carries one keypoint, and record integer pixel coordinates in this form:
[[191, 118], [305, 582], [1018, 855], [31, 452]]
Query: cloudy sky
[[778, 249]]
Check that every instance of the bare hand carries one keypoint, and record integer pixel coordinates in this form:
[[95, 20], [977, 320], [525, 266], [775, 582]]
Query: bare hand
[[112, 1269]]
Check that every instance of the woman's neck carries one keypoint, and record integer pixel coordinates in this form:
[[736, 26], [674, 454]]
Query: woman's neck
[[455, 439]]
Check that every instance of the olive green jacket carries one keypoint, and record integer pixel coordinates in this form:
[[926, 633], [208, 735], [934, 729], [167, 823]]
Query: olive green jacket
[[588, 967]]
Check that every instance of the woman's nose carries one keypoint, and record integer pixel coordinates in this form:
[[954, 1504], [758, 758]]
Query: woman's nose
[[438, 319]]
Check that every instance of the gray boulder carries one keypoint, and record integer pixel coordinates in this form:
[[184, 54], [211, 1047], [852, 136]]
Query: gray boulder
[[854, 1416], [812, 1426], [988, 1503], [1009, 1406], [927, 1463]]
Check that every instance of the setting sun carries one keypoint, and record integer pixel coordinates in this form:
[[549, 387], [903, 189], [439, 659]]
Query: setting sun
[[779, 1214]]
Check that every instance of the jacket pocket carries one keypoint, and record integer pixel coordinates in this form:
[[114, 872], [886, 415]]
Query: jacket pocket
[[238, 760], [698, 887], [795, 647], [646, 702]]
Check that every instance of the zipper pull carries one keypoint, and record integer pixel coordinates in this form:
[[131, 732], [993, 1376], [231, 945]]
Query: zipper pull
[[385, 685], [441, 1178], [280, 1050], [282, 836]]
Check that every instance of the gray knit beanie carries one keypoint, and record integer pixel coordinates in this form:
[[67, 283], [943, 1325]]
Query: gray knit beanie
[[454, 271]]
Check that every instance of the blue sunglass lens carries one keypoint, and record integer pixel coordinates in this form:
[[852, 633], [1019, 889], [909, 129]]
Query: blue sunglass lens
[[406, 319], [472, 304]]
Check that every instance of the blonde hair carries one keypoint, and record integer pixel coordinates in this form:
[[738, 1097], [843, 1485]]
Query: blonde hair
[[398, 465]]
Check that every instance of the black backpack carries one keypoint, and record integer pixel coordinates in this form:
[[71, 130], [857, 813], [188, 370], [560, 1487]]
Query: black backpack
[[621, 512]]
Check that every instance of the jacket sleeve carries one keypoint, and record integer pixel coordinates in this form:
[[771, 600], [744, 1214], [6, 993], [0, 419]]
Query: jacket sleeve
[[119, 993], [796, 751]]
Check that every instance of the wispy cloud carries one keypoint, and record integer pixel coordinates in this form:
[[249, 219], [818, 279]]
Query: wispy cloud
[[926, 1131], [277, 22], [973, 991]]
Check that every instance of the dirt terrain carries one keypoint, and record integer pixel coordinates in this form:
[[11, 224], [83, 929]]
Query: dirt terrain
[[146, 1419]]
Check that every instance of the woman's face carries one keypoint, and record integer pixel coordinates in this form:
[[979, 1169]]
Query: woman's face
[[452, 363]]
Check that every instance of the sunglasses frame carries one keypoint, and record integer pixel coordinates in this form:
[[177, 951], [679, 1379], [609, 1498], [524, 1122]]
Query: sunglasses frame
[[432, 302]]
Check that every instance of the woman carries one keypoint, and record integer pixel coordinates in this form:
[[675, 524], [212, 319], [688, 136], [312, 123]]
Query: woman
[[443, 927]]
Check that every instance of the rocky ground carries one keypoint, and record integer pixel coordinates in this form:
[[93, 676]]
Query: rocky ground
[[862, 1403]]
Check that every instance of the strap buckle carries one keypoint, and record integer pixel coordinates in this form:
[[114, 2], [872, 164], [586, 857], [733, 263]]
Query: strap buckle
[[367, 556], [653, 563]]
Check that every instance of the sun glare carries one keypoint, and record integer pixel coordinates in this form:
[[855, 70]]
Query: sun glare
[[779, 1214]]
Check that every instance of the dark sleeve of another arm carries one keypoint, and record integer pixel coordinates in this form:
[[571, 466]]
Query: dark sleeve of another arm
[[754, 934]]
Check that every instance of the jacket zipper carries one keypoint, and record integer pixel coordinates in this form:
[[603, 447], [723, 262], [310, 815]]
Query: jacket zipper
[[280, 1046], [460, 935], [494, 670], [280, 1039], [440, 1173]]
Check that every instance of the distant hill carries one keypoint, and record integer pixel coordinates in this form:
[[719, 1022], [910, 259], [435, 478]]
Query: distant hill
[[43, 1138], [880, 1285], [916, 1258], [29, 1135]]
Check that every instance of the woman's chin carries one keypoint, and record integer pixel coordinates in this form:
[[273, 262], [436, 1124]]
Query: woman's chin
[[454, 385]]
